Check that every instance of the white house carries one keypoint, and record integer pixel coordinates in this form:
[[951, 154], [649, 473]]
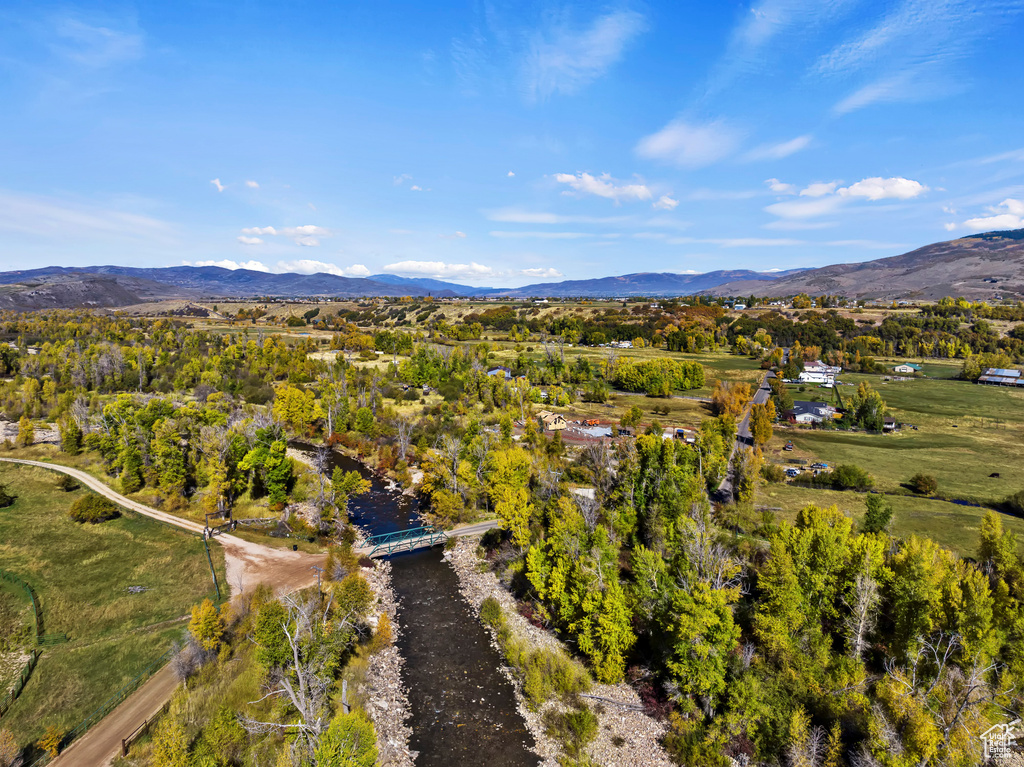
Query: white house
[[820, 367], [816, 377], [810, 412], [907, 368]]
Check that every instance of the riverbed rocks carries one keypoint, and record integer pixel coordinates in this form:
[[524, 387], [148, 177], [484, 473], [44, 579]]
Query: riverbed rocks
[[387, 702], [626, 736]]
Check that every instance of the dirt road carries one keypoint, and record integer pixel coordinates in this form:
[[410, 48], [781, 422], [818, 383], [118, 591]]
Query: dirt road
[[248, 564]]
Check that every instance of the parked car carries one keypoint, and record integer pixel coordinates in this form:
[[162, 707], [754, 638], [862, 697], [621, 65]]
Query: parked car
[[792, 472], [819, 465]]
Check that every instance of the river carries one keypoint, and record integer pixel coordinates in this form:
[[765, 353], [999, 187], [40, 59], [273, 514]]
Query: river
[[463, 710]]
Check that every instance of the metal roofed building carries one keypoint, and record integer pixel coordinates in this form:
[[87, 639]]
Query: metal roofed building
[[1001, 377]]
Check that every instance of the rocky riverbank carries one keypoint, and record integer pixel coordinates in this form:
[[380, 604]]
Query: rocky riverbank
[[626, 736], [387, 702]]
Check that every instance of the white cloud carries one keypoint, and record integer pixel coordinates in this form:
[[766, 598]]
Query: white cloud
[[252, 184], [216, 183], [249, 240], [913, 51], [603, 186], [441, 270], [563, 60], [1009, 214], [307, 266], [780, 150], [665, 203], [416, 188], [877, 188], [690, 145], [819, 189], [779, 187], [471, 272], [511, 174], [910, 85], [542, 235], [828, 197], [453, 236], [753, 47], [302, 235], [399, 180], [255, 266], [949, 227], [541, 273]]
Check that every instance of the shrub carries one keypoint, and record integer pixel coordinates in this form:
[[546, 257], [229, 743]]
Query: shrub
[[923, 484], [1015, 503], [772, 472], [490, 613], [547, 673], [850, 477], [574, 729], [93, 509], [350, 740], [67, 483], [6, 496]]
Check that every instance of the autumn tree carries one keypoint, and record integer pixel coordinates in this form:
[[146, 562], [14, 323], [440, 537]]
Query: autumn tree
[[206, 625], [26, 432], [761, 419]]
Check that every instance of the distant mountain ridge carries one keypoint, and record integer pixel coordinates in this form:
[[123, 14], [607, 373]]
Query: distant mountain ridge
[[216, 281], [644, 284], [980, 267]]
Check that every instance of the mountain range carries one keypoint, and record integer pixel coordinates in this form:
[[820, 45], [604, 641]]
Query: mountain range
[[982, 266]]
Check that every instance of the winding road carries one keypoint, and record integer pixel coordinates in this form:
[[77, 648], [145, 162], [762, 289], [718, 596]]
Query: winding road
[[248, 564], [744, 438]]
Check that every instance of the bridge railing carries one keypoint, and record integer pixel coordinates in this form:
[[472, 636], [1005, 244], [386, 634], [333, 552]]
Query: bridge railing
[[385, 544]]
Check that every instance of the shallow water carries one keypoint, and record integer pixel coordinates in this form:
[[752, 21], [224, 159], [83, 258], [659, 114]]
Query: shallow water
[[463, 711]]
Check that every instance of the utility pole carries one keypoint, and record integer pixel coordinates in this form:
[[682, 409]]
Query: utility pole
[[319, 572]]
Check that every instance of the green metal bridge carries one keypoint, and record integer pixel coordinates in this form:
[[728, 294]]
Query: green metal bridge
[[386, 544]]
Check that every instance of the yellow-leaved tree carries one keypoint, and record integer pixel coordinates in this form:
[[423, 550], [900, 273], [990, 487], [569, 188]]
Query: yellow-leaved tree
[[206, 625]]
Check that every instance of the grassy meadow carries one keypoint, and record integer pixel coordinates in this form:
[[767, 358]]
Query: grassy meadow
[[965, 432], [951, 525], [81, 575]]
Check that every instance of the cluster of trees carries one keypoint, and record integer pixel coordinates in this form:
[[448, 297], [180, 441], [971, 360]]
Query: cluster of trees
[[930, 334], [827, 641], [211, 452], [284, 660], [658, 377]]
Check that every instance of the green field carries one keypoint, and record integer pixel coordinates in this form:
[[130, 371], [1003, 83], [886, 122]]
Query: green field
[[965, 433], [948, 524], [81, 575]]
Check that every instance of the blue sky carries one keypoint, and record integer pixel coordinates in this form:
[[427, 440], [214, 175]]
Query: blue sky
[[505, 143]]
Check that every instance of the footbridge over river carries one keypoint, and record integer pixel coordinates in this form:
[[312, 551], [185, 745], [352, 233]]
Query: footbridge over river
[[386, 544]]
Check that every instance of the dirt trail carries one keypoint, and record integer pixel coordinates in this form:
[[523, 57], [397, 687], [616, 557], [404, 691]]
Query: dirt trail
[[248, 564]]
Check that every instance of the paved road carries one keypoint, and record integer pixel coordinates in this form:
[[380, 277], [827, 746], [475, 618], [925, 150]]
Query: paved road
[[725, 492], [248, 564]]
